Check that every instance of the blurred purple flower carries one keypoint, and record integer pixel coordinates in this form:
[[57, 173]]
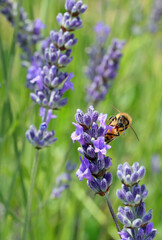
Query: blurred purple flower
[[57, 191], [155, 163], [102, 31], [29, 32], [63, 180], [155, 16], [38, 25], [103, 66]]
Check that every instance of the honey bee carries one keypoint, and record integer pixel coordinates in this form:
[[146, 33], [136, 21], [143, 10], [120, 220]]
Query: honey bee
[[119, 124]]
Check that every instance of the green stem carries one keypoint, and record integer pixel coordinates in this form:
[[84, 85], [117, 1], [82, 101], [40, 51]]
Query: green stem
[[112, 213], [18, 156], [30, 196]]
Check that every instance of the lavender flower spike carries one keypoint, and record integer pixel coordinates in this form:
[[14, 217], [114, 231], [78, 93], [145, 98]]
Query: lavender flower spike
[[46, 77], [103, 66], [90, 130], [134, 216]]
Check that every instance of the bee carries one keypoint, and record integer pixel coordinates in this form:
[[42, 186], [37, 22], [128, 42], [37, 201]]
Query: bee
[[119, 124]]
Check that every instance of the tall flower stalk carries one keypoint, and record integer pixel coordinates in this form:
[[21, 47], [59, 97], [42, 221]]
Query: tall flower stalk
[[30, 195], [90, 131], [47, 79], [49, 82], [103, 65], [133, 216]]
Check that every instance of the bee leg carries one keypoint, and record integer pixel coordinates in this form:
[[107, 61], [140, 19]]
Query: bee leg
[[112, 134], [110, 118], [108, 140]]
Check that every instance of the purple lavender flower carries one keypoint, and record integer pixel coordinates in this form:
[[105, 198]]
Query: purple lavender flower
[[63, 180], [29, 32], [40, 138], [46, 77], [102, 67], [134, 216], [47, 116], [147, 233], [90, 130], [84, 170], [56, 51]]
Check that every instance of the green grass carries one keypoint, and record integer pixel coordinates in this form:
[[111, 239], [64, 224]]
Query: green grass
[[78, 214]]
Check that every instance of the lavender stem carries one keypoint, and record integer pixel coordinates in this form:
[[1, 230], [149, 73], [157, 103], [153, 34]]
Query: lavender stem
[[112, 213], [30, 195]]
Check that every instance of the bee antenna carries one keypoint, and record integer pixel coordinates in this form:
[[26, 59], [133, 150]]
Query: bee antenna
[[116, 109], [134, 132]]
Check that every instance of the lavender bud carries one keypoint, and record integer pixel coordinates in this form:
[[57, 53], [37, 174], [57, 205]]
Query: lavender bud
[[94, 168], [127, 171], [120, 217], [140, 210], [101, 131], [80, 150], [141, 172], [137, 223], [108, 177], [120, 195], [103, 185], [135, 166], [79, 116], [94, 186], [147, 217], [91, 152], [101, 164], [137, 199], [119, 174], [94, 116], [107, 162], [134, 177], [87, 119], [129, 197], [129, 214], [126, 222], [87, 138]]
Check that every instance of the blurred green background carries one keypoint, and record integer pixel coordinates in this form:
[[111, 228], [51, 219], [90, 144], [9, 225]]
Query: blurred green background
[[79, 214]]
